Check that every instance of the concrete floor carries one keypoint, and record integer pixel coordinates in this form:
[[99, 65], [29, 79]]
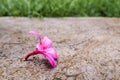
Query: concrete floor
[[88, 48]]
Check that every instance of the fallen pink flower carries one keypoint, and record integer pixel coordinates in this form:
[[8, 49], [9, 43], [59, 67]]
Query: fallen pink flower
[[44, 47]]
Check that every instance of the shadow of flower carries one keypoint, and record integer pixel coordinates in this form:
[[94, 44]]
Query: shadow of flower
[[40, 61]]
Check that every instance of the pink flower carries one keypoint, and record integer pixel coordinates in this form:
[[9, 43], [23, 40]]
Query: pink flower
[[44, 47]]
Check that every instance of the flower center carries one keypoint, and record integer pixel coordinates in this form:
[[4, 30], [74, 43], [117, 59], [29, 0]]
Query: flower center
[[43, 46]]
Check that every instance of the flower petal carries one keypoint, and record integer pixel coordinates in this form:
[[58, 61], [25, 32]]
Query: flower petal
[[39, 47], [46, 42], [35, 33], [51, 60], [52, 52]]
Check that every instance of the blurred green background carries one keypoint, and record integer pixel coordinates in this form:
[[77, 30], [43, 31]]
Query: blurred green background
[[60, 8]]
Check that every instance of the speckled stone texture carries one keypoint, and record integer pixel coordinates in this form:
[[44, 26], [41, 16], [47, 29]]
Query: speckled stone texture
[[88, 48]]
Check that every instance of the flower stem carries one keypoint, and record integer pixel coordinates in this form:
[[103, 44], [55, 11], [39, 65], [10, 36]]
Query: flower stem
[[30, 54]]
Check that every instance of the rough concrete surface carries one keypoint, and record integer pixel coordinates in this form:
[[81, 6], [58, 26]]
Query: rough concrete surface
[[88, 48]]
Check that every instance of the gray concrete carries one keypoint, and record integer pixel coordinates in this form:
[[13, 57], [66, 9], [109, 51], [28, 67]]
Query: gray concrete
[[88, 48]]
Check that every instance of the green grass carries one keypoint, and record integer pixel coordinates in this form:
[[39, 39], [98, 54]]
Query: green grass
[[60, 8]]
